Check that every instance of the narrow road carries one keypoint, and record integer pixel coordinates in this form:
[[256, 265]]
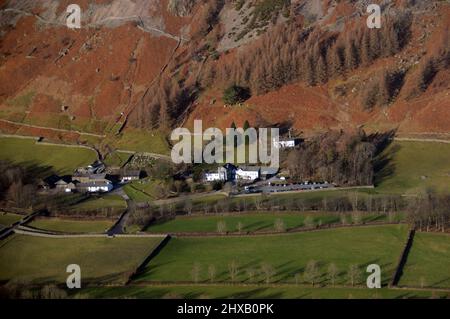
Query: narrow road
[[5, 232], [118, 227]]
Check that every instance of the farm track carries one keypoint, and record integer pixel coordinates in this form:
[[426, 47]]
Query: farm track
[[147, 29], [52, 129]]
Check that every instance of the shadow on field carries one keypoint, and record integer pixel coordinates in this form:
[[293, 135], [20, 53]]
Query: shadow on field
[[383, 164]]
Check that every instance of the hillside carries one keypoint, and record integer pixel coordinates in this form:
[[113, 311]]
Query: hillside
[[153, 65]]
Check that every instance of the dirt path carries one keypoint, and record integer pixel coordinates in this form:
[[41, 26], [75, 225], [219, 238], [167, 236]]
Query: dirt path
[[428, 140], [52, 129]]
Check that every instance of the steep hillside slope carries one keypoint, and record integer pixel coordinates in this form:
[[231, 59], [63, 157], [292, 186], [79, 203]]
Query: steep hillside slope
[[85, 79], [154, 65]]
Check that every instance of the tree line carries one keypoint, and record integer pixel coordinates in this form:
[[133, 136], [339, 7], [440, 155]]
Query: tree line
[[336, 156]]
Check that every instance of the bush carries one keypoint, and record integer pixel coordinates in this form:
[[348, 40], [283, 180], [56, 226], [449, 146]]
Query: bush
[[217, 185], [235, 94]]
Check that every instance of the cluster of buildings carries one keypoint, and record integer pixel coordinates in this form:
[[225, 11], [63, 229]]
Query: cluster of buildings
[[90, 179], [231, 173]]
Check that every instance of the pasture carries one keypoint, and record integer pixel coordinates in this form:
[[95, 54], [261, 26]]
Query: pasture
[[71, 225], [413, 167], [60, 159], [283, 256], [39, 260], [428, 263], [252, 222]]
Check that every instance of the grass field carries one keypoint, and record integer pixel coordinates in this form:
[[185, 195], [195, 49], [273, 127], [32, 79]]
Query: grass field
[[136, 194], [7, 219], [72, 226], [106, 201], [236, 292], [415, 166], [286, 254], [61, 159], [250, 222], [44, 260], [428, 262], [117, 159], [142, 141]]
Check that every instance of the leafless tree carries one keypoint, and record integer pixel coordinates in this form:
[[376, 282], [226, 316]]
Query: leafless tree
[[268, 271], [211, 272], [279, 225], [354, 274], [251, 274], [356, 217], [311, 272], [188, 207], [221, 227], [332, 273], [239, 227], [233, 269], [195, 272], [309, 221]]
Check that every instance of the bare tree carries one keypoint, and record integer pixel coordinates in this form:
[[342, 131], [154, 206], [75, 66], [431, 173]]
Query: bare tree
[[233, 269], [239, 227], [258, 202], [52, 292], [279, 225], [354, 274], [422, 282], [332, 273], [297, 278], [343, 218], [188, 207], [311, 273], [268, 271], [356, 217], [221, 227], [251, 274], [309, 221], [195, 272], [211, 272]]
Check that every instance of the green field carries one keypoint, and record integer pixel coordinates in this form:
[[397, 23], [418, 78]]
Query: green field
[[44, 260], [428, 262], [72, 226], [251, 222], [136, 194], [142, 141], [7, 219], [106, 201], [61, 159], [265, 292], [117, 159], [286, 254], [414, 167]]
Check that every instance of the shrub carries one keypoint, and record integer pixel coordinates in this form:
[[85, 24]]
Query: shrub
[[235, 94]]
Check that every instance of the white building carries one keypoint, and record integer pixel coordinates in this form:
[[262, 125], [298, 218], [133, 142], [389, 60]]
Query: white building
[[129, 176], [220, 175], [224, 173], [285, 143], [249, 173], [96, 186]]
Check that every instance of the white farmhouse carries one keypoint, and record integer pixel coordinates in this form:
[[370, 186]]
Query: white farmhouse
[[285, 143], [95, 186], [223, 173], [129, 176], [219, 175], [248, 173]]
